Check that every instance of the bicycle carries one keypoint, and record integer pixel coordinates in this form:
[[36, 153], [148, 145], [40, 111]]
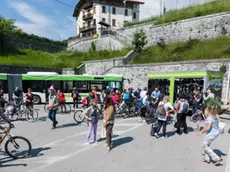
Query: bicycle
[[123, 110], [79, 116], [18, 111], [13, 142], [60, 108]]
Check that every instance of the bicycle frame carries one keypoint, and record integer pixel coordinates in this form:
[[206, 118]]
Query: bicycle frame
[[6, 134]]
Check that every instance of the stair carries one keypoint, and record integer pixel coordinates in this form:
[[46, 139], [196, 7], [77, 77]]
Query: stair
[[120, 37]]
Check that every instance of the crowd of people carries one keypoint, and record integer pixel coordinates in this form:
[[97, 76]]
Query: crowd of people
[[108, 99]]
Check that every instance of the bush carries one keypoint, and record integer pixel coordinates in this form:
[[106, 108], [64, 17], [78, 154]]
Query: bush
[[139, 40]]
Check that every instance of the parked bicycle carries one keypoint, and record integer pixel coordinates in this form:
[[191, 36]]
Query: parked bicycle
[[15, 146], [19, 111], [79, 115]]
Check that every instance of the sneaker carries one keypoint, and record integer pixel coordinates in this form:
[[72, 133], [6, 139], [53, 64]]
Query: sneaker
[[87, 143], [163, 137], [95, 142], [156, 135]]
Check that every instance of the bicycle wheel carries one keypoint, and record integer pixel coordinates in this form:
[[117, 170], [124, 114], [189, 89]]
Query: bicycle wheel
[[62, 110], [45, 107], [18, 147], [79, 116], [31, 115]]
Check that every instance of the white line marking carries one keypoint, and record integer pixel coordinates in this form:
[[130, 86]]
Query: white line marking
[[49, 163]]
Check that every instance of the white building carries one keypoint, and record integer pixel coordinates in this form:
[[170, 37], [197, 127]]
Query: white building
[[114, 13]]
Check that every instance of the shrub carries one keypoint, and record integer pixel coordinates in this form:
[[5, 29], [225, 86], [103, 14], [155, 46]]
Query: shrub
[[139, 40]]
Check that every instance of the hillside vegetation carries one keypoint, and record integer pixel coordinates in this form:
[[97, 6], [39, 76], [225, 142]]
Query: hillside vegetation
[[8, 28], [213, 7], [191, 50], [65, 59]]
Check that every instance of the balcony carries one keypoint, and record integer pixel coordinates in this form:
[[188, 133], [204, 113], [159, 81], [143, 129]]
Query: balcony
[[87, 16], [87, 28]]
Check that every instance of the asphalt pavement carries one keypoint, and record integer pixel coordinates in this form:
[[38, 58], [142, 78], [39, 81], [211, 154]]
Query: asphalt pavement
[[64, 149]]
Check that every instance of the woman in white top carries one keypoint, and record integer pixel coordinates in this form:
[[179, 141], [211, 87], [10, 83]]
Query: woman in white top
[[162, 118]]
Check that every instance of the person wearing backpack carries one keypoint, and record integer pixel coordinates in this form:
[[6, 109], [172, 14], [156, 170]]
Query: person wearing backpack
[[182, 110], [75, 95], [162, 112]]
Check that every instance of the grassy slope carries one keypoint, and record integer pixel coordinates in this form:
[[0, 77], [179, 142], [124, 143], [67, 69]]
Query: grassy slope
[[189, 12], [63, 59], [190, 50]]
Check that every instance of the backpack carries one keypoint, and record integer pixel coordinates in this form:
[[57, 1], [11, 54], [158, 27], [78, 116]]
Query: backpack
[[161, 110], [184, 107], [127, 96], [74, 95]]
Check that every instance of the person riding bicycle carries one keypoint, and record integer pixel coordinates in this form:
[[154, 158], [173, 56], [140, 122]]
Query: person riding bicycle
[[61, 100], [17, 95], [137, 93], [129, 97], [29, 100]]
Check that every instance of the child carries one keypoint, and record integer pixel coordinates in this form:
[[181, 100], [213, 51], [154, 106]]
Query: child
[[198, 117], [92, 114]]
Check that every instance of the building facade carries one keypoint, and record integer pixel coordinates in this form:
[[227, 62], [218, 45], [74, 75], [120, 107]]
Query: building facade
[[93, 15]]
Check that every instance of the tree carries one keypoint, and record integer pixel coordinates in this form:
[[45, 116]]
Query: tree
[[139, 40], [6, 26]]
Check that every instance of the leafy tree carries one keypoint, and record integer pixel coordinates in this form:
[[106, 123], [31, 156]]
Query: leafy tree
[[139, 40], [7, 28]]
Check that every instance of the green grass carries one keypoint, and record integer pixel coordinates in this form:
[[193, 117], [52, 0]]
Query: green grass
[[64, 59], [182, 51], [189, 12]]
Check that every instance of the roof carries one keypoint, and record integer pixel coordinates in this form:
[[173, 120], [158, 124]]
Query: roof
[[82, 2]]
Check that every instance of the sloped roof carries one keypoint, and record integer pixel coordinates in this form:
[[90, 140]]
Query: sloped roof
[[82, 2]]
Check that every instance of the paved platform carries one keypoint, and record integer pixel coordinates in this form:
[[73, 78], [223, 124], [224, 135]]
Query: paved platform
[[63, 149]]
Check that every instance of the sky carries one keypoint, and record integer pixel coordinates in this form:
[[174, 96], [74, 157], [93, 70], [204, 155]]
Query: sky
[[53, 20]]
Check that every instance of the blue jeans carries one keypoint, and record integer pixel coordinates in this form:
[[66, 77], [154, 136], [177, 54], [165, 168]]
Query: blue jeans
[[52, 115], [160, 124]]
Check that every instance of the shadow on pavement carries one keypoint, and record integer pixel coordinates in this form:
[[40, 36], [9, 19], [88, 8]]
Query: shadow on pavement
[[121, 141], [219, 153], [67, 125], [5, 159], [190, 129], [170, 133], [37, 152], [104, 139]]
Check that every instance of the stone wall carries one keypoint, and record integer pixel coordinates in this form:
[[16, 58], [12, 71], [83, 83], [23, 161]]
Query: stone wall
[[100, 67], [137, 74], [206, 27], [11, 43], [104, 43], [11, 69]]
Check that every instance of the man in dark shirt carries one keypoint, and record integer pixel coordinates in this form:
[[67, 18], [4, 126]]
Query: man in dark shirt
[[17, 92], [17, 95]]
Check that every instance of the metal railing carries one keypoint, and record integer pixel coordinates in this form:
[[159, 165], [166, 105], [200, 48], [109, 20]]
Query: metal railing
[[116, 35], [89, 27], [87, 16]]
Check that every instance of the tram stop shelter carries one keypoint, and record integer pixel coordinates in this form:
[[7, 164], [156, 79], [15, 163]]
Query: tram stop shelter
[[175, 82]]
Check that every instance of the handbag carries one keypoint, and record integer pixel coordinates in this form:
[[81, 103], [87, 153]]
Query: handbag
[[221, 127], [103, 132]]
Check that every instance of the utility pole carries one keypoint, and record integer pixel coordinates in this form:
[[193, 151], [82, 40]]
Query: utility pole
[[160, 7]]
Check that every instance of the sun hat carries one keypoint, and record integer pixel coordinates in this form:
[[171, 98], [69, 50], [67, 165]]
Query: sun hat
[[52, 88]]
